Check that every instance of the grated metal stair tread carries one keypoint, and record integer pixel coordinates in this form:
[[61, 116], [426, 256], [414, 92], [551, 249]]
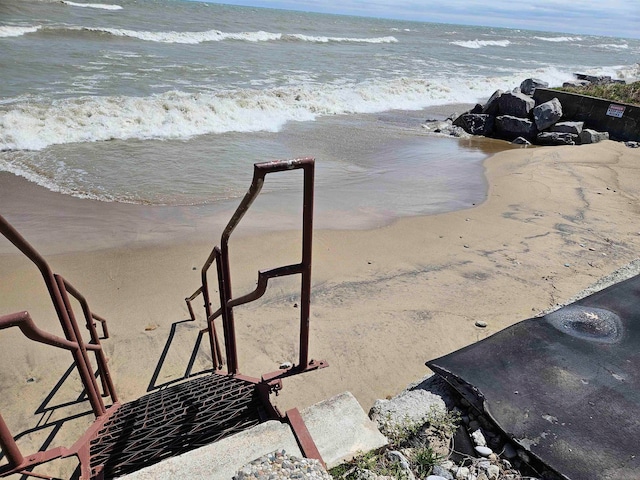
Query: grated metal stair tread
[[174, 420]]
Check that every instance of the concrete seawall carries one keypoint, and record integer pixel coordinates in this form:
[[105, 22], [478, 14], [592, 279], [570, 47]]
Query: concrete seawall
[[621, 120]]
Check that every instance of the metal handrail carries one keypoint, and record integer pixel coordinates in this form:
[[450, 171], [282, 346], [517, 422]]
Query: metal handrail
[[23, 321], [58, 293], [105, 376], [304, 267]]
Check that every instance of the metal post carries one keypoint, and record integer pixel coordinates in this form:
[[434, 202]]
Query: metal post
[[9, 446], [307, 240]]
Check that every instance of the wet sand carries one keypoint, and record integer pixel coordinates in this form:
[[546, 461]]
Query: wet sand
[[385, 300]]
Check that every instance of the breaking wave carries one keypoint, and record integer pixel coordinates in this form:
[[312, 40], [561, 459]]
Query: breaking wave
[[219, 36], [559, 39], [14, 31], [102, 6], [482, 43], [171, 115]]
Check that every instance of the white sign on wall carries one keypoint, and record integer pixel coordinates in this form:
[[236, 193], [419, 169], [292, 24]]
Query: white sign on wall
[[615, 110]]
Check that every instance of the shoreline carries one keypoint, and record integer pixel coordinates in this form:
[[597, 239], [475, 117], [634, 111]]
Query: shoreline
[[384, 300]]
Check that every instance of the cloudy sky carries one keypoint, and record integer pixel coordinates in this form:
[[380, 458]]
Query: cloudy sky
[[617, 18]]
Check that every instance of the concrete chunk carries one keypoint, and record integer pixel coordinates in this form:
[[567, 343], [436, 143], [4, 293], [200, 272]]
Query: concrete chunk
[[341, 429], [221, 460]]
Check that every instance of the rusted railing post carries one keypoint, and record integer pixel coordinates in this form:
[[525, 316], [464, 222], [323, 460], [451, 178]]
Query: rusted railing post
[[9, 446]]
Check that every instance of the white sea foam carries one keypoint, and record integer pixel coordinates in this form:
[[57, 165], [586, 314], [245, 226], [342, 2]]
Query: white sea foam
[[219, 36], [189, 37], [559, 39], [171, 115], [102, 6], [16, 31], [320, 39], [613, 46], [482, 43]]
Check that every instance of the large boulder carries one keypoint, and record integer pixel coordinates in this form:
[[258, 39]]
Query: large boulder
[[510, 127], [491, 107], [515, 104], [529, 85], [568, 127], [576, 83], [557, 138], [547, 113], [476, 123], [591, 136]]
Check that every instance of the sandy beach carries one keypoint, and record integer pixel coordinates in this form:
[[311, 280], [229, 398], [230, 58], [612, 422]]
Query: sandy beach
[[384, 300]]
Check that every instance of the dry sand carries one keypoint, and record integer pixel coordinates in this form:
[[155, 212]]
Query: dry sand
[[384, 300]]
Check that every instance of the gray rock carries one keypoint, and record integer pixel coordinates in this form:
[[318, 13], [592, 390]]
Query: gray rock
[[598, 80], [462, 473], [491, 107], [484, 451], [568, 127], [591, 136], [515, 104], [547, 113], [521, 141], [576, 83], [441, 472], [529, 85], [510, 127], [556, 138], [476, 124], [632, 144], [509, 451], [493, 472], [414, 406], [400, 459]]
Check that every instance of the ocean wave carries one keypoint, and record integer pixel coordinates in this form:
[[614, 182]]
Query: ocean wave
[[102, 6], [219, 36], [15, 31], [176, 114], [320, 39], [181, 115], [612, 46], [559, 39], [188, 37], [482, 43]]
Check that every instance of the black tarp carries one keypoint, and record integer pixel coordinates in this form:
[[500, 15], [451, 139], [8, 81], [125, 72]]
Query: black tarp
[[565, 386]]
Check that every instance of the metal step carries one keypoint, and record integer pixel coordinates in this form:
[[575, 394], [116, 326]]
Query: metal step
[[174, 420]]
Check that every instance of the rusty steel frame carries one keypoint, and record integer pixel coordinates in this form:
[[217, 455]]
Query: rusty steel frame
[[60, 291], [221, 256]]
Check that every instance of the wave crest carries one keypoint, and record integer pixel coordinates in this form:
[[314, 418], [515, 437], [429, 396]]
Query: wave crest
[[482, 43], [101, 6], [559, 39], [16, 31], [219, 36]]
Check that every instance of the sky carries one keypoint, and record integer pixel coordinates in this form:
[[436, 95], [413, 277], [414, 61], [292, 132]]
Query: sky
[[615, 18]]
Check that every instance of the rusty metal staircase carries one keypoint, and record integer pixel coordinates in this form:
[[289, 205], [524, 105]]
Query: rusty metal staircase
[[198, 411]]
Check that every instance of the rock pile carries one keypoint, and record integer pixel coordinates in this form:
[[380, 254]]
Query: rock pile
[[515, 117]]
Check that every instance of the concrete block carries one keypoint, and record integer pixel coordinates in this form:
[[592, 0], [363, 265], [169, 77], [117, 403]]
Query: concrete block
[[341, 429], [221, 460]]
